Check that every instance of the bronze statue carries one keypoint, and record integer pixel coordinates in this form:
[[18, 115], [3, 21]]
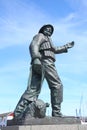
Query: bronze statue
[[43, 67]]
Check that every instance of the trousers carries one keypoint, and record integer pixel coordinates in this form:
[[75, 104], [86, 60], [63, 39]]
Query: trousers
[[35, 81]]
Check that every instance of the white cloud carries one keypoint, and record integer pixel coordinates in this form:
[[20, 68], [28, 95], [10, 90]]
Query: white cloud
[[18, 25]]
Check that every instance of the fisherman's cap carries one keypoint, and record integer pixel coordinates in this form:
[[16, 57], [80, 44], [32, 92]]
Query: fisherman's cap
[[45, 26]]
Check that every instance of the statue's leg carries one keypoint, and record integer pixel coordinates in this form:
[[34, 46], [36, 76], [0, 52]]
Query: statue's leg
[[56, 96], [30, 94], [56, 88], [34, 87], [20, 108]]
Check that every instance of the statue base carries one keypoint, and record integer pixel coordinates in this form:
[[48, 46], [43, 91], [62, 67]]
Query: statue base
[[46, 127], [45, 121]]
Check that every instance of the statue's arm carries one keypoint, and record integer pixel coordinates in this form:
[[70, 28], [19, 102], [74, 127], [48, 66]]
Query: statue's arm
[[34, 52], [64, 48], [34, 46]]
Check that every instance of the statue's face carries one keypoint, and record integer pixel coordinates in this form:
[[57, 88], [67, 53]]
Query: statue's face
[[47, 31]]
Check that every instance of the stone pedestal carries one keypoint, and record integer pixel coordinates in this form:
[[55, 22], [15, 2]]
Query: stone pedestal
[[45, 121], [46, 127]]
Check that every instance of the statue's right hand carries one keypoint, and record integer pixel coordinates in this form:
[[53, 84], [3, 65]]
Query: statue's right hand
[[37, 67], [69, 45]]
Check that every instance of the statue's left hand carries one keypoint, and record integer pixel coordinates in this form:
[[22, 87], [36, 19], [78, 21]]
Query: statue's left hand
[[69, 45], [37, 67]]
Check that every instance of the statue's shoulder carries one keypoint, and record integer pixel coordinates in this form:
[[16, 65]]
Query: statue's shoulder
[[39, 36]]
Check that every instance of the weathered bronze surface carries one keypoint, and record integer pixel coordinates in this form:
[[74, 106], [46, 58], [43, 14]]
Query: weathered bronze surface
[[42, 53]]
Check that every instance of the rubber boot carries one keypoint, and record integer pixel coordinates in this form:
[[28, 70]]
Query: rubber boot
[[20, 108], [56, 100], [56, 110]]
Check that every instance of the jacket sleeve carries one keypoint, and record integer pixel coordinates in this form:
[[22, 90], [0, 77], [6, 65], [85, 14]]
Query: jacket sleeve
[[34, 46], [60, 49]]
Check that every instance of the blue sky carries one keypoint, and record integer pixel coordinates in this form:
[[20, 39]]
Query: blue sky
[[20, 20]]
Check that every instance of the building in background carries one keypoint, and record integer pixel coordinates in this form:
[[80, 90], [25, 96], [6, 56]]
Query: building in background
[[4, 117]]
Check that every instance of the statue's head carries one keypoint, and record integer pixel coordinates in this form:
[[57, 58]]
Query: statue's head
[[47, 30]]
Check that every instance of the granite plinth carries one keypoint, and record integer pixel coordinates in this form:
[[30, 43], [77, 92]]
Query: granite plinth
[[46, 127], [45, 121]]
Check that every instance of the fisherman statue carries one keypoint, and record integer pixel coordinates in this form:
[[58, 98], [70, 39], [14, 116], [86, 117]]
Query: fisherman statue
[[42, 53]]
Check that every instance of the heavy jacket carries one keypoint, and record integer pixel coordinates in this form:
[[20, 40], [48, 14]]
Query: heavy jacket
[[42, 47]]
